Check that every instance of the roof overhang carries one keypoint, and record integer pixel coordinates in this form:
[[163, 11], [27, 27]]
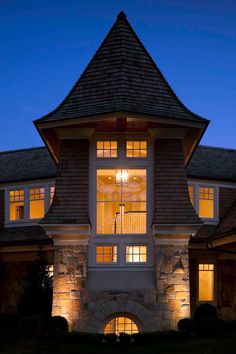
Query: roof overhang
[[48, 130]]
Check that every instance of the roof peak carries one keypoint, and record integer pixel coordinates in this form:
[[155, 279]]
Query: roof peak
[[122, 77], [121, 16]]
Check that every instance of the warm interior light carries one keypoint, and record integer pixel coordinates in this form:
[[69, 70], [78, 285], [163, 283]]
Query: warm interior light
[[122, 176]]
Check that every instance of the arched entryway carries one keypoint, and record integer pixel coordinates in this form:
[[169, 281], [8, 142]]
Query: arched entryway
[[121, 323]]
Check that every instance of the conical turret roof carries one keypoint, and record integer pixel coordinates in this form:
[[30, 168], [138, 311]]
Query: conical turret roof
[[121, 77]]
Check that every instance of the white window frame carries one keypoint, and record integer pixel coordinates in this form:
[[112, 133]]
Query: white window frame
[[121, 162], [107, 245], [137, 245], [207, 261], [26, 188], [196, 186]]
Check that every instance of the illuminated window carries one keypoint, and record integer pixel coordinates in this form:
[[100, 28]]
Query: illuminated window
[[136, 254], [137, 149], [206, 202], [106, 149], [191, 194], [36, 203], [206, 282], [16, 204], [120, 325], [52, 191], [121, 201], [106, 254]]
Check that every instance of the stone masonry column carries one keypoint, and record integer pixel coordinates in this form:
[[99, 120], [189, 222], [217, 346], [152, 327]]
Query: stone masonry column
[[70, 273], [172, 281], [67, 223]]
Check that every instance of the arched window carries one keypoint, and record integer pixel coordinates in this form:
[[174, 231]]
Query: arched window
[[121, 324]]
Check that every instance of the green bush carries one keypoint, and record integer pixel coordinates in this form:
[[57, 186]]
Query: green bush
[[57, 326]]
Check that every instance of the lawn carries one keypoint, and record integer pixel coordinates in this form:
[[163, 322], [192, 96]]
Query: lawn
[[224, 344]]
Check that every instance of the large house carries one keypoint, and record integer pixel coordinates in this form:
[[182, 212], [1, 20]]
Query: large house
[[137, 219]]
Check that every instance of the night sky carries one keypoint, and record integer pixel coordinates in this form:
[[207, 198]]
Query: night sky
[[45, 46]]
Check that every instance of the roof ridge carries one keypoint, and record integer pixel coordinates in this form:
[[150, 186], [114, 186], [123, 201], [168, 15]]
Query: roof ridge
[[24, 149], [216, 148]]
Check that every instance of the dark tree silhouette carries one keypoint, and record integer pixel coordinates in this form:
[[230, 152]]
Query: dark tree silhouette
[[36, 298]]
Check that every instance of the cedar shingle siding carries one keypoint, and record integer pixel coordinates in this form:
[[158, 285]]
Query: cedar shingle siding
[[70, 204], [172, 203]]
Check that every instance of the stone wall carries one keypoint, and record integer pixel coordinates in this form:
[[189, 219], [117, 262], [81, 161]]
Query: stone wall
[[172, 284], [70, 273]]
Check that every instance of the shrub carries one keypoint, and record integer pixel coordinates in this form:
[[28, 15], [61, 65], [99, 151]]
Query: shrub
[[32, 326], [83, 338], [124, 338], [205, 311], [110, 338], [57, 326], [206, 321], [186, 326]]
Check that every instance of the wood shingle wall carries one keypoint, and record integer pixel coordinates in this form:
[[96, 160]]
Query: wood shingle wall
[[70, 204], [172, 204]]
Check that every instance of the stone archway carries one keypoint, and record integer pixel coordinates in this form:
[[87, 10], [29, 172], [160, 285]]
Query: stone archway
[[142, 316]]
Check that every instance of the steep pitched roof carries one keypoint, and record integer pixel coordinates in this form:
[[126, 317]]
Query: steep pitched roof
[[213, 163], [121, 77]]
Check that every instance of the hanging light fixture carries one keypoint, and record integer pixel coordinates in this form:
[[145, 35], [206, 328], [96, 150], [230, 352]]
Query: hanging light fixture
[[122, 176]]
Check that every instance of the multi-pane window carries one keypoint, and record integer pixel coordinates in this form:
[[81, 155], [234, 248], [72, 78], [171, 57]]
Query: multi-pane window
[[52, 191], [106, 254], [206, 202], [136, 254], [121, 201], [136, 149], [16, 204], [191, 194], [206, 282], [106, 149], [36, 203], [120, 325]]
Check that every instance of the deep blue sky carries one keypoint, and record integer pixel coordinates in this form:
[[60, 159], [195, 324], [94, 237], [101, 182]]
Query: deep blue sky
[[45, 45]]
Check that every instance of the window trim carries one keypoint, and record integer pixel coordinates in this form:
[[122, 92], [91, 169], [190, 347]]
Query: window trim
[[106, 263], [139, 140], [95, 204], [215, 272], [137, 245], [26, 188], [196, 186], [107, 140]]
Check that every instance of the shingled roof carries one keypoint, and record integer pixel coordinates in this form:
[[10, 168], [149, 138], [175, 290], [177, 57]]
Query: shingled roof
[[26, 164], [36, 163], [213, 163], [121, 77]]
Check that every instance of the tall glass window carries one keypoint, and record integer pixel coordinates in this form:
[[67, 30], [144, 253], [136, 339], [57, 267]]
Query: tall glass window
[[206, 282], [121, 201]]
